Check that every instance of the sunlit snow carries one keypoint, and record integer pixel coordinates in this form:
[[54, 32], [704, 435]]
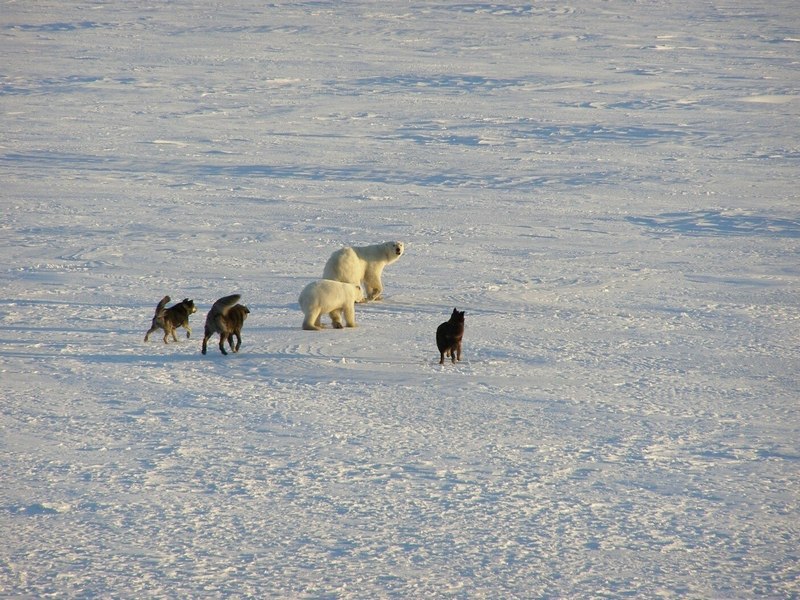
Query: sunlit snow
[[609, 190]]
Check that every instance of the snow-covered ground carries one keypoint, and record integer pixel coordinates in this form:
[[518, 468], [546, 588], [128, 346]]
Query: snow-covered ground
[[608, 189]]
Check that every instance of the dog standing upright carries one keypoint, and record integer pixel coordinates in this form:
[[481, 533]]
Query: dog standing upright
[[169, 319], [449, 335], [226, 318]]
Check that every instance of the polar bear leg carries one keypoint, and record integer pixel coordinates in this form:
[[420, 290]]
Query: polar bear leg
[[336, 317], [372, 281], [311, 322], [350, 315]]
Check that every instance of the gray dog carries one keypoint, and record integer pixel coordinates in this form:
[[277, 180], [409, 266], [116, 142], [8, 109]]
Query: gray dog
[[226, 318]]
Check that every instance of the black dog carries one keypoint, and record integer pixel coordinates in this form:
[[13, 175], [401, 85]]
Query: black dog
[[449, 335], [226, 318], [169, 319]]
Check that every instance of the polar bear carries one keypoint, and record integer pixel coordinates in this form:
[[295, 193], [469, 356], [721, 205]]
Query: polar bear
[[363, 264], [332, 297]]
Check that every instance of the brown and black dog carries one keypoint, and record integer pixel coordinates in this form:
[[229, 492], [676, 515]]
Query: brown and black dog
[[169, 319], [449, 335], [226, 318]]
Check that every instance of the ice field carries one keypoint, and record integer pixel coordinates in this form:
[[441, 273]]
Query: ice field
[[608, 189]]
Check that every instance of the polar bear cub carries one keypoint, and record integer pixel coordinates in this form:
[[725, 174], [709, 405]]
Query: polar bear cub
[[365, 264], [332, 297]]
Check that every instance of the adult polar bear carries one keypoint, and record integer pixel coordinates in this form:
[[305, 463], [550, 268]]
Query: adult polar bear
[[331, 297], [365, 264]]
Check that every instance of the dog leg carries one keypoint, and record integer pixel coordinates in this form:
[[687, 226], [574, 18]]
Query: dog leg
[[205, 342], [238, 341], [230, 342], [151, 330], [222, 338], [188, 331]]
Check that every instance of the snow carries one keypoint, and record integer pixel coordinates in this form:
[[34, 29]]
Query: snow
[[609, 190]]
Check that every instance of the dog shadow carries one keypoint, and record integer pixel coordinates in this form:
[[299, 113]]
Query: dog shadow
[[139, 359]]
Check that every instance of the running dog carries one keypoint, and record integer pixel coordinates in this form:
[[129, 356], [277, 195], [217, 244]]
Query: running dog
[[169, 319], [226, 318]]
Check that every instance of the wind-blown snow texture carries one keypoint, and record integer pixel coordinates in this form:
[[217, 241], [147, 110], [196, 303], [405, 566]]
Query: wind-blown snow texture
[[608, 189]]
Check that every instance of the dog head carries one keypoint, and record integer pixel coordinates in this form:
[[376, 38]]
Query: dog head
[[189, 305]]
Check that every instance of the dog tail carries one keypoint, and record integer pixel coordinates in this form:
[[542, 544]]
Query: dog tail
[[164, 301], [222, 305]]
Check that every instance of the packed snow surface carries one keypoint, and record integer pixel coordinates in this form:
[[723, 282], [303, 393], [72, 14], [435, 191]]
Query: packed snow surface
[[608, 189]]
